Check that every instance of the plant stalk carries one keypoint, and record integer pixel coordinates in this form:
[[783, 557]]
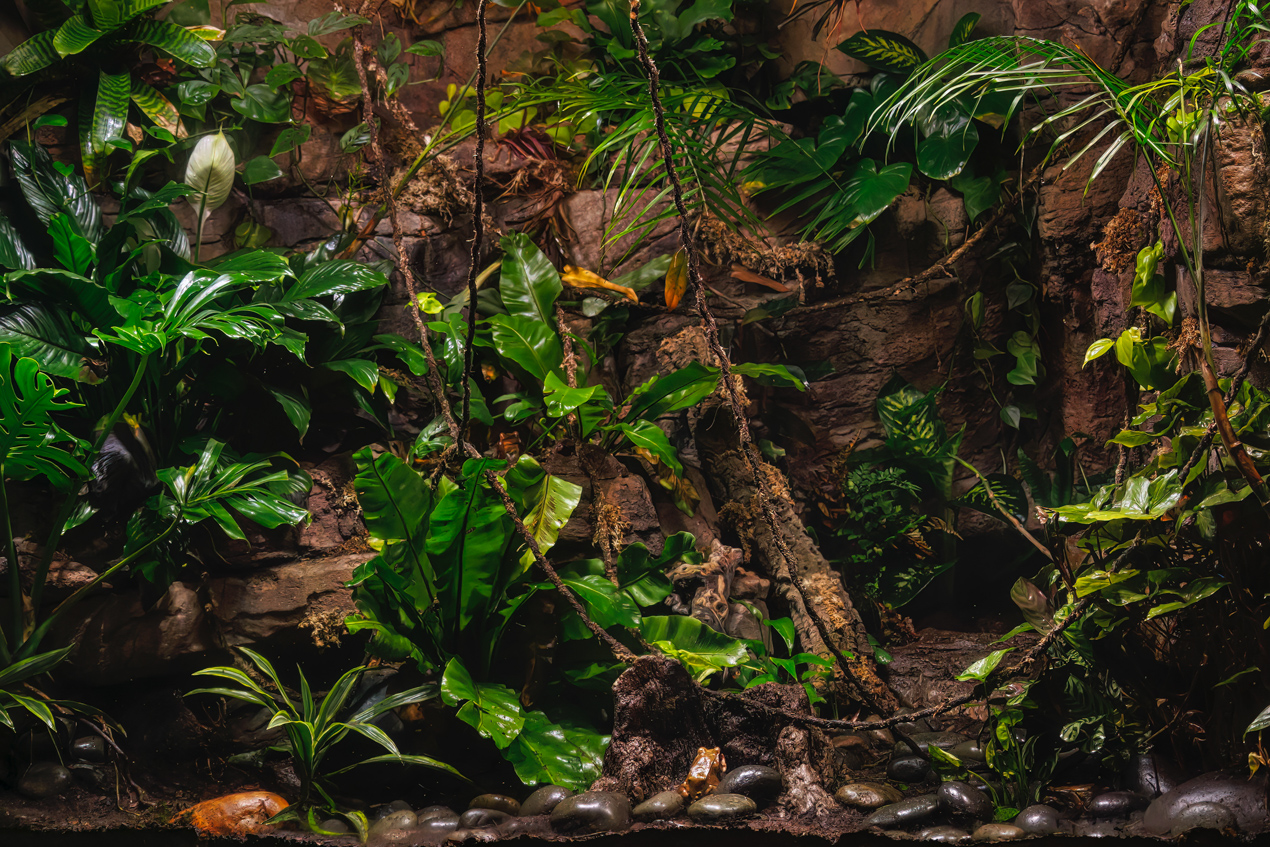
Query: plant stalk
[[55, 532], [15, 574]]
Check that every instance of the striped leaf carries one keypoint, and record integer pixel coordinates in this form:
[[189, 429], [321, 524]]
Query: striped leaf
[[101, 119], [157, 108], [961, 32], [174, 40], [34, 54], [884, 51], [112, 14], [74, 36]]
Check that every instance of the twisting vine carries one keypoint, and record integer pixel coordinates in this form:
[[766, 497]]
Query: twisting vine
[[478, 217]]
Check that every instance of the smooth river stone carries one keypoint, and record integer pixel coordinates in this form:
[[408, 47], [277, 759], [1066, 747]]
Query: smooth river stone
[[969, 751], [962, 799], [394, 822], [908, 811], [717, 808], [89, 748], [1203, 816], [997, 832], [432, 812], [594, 811], [944, 835], [1151, 775], [868, 795], [923, 740], [1245, 797], [498, 802], [336, 825], [758, 782], [542, 801], [44, 779], [1115, 804], [908, 769], [439, 824], [480, 817], [1038, 820], [660, 807]]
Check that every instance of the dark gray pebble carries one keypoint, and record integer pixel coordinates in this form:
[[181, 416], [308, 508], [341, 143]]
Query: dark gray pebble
[[393, 822], [498, 802], [480, 816], [758, 782], [1203, 816], [594, 811], [908, 811], [1244, 796], [944, 835], [660, 807], [962, 799], [89, 748], [1038, 820], [1115, 804], [44, 779], [542, 801], [908, 769], [717, 808]]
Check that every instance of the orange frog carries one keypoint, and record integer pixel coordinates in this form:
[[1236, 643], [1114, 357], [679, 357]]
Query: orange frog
[[703, 776]]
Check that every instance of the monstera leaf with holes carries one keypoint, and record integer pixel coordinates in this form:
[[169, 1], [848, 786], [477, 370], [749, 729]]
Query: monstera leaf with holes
[[30, 440], [97, 45]]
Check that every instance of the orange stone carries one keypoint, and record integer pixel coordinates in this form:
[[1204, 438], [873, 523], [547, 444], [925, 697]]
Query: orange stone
[[236, 814]]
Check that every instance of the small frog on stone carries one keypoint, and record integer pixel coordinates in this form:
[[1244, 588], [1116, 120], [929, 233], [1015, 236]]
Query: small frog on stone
[[703, 776]]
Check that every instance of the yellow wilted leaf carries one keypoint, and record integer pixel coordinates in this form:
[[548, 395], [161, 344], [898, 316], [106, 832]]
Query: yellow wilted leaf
[[676, 279], [580, 278]]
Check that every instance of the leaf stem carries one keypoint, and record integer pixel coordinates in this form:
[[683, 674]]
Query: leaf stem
[[15, 574]]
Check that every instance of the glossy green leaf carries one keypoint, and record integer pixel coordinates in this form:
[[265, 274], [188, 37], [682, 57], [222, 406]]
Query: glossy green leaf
[[29, 438], [527, 281], [547, 502], [468, 538], [962, 30], [980, 670], [157, 108], [768, 374], [50, 191], [698, 647], [426, 48], [34, 54], [649, 436], [297, 409], [283, 74], [529, 343], [290, 138], [944, 156], [261, 169], [492, 709], [870, 191], [395, 498], [14, 254], [605, 604], [685, 387], [554, 754], [47, 336], [336, 277], [262, 103]]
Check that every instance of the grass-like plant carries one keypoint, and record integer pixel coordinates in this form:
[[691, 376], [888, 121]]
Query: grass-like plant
[[314, 727]]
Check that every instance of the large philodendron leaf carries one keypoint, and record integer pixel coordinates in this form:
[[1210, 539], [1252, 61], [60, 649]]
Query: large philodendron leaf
[[527, 281], [28, 435], [546, 502], [49, 191], [339, 277], [531, 344], [492, 709], [870, 191], [701, 650], [66, 290], [47, 335], [555, 754]]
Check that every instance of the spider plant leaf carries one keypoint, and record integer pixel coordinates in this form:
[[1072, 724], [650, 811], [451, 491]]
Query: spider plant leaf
[[422, 761], [266, 667], [883, 50], [374, 733]]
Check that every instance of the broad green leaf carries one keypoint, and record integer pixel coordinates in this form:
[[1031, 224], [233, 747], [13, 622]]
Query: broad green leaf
[[944, 156], [962, 29], [685, 387], [1260, 722], [362, 371], [296, 407], [555, 754], [492, 709], [280, 75], [980, 670], [1098, 348], [766, 374], [605, 604], [261, 169], [426, 48], [157, 108], [71, 249], [883, 50], [395, 498], [527, 281], [262, 103], [290, 138], [336, 277], [102, 119], [697, 646], [14, 254], [529, 343], [29, 437], [49, 191], [869, 191], [547, 502], [561, 399], [649, 436]]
